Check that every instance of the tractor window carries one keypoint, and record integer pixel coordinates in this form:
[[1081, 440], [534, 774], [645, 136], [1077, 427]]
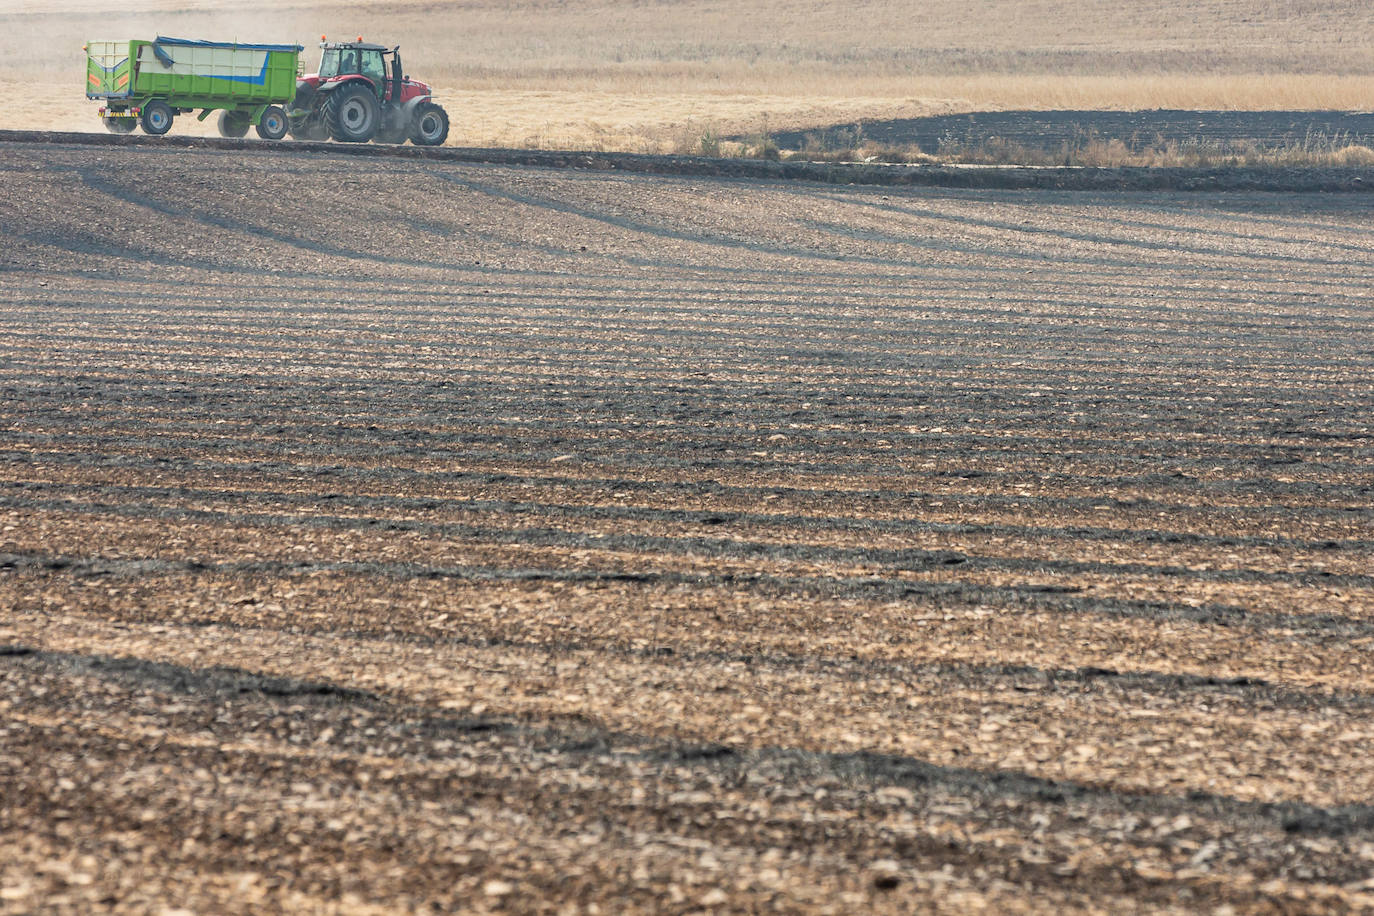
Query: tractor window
[[329, 64], [373, 68], [348, 62]]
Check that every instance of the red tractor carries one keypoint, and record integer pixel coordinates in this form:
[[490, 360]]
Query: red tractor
[[361, 94]]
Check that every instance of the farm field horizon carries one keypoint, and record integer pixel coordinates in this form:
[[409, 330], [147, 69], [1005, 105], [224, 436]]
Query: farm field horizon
[[659, 77], [480, 538]]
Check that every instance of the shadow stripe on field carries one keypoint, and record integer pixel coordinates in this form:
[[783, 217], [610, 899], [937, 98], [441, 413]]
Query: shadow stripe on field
[[1317, 629], [417, 728], [1027, 679], [889, 559]]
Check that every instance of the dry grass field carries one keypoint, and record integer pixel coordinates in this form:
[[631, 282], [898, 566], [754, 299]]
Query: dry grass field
[[656, 76], [384, 535]]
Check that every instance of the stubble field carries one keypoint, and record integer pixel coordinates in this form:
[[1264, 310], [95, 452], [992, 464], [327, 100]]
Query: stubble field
[[381, 534], [659, 76]]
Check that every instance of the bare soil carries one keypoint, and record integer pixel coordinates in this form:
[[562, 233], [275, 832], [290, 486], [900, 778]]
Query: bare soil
[[382, 534], [1307, 178]]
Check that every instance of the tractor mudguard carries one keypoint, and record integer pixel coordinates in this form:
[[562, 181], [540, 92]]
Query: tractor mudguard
[[331, 85], [409, 107]]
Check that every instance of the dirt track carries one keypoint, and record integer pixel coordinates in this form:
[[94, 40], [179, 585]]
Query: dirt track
[[380, 534]]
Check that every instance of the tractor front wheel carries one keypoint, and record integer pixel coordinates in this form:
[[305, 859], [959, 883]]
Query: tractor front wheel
[[156, 118], [273, 124], [430, 127], [120, 125], [233, 125], [352, 113]]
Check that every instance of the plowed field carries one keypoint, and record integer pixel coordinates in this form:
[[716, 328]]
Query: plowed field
[[380, 534]]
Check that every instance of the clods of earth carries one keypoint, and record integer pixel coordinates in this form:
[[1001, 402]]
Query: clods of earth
[[380, 534]]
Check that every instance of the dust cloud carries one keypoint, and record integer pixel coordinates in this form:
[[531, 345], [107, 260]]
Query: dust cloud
[[54, 34]]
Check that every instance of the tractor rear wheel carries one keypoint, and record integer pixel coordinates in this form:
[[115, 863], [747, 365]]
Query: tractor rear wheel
[[272, 125], [120, 125], [233, 125], [156, 118], [430, 127], [352, 113]]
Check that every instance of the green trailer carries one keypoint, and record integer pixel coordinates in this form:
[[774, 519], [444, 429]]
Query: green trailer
[[147, 83]]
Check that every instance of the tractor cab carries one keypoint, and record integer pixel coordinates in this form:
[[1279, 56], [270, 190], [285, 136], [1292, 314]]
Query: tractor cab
[[360, 93], [344, 59]]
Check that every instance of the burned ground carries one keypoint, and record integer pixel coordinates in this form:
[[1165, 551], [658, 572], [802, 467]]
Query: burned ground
[[382, 533]]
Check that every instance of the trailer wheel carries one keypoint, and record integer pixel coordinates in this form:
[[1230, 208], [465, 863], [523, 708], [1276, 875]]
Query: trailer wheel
[[352, 113], [156, 118], [430, 127], [233, 125], [120, 125], [272, 125]]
